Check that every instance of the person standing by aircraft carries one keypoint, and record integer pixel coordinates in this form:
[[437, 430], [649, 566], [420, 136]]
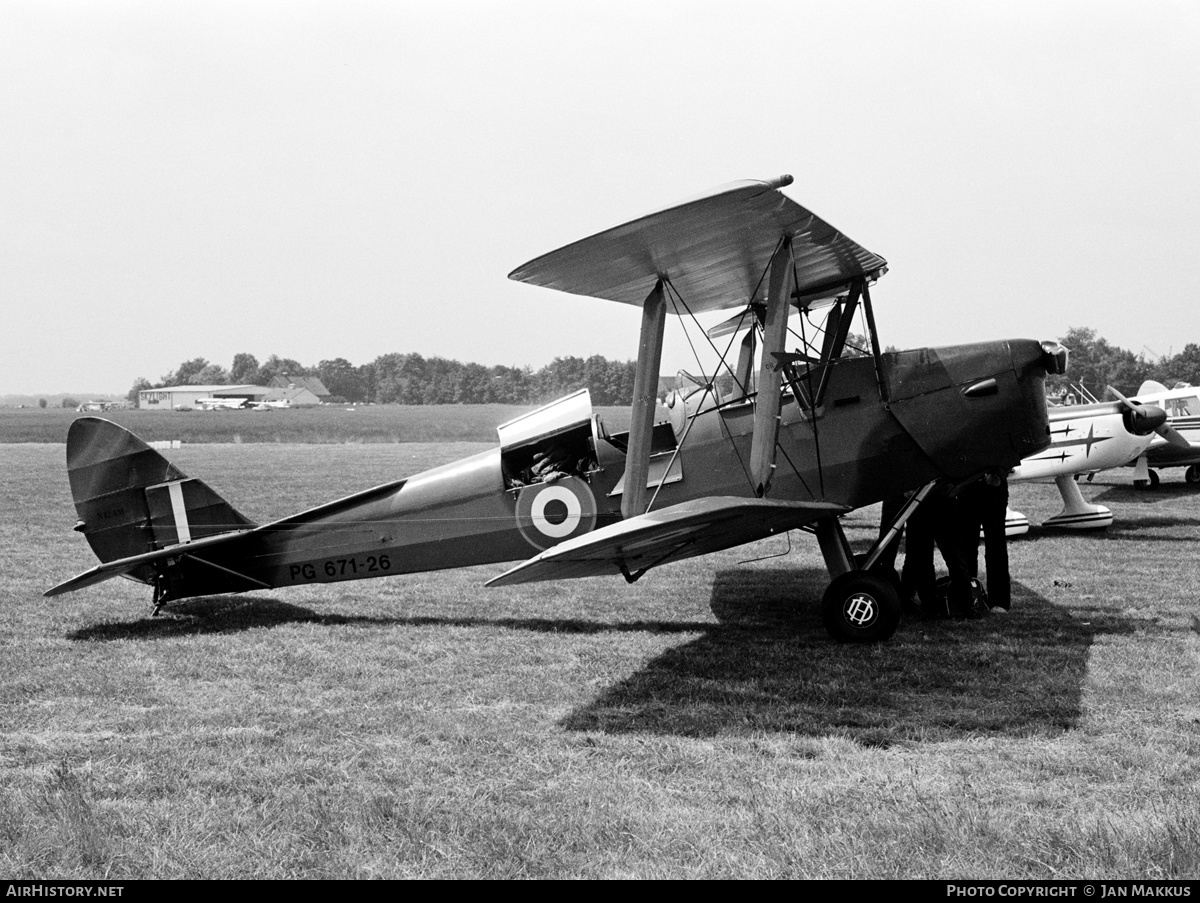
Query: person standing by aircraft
[[982, 504], [936, 521]]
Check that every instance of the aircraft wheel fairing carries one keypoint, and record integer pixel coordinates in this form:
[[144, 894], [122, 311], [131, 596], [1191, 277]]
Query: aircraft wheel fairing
[[860, 607]]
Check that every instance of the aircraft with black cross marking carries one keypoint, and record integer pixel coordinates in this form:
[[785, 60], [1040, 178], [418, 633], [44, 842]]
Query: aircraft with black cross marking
[[803, 420], [1088, 438]]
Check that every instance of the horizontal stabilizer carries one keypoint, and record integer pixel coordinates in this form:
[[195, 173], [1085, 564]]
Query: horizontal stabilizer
[[133, 563], [672, 534]]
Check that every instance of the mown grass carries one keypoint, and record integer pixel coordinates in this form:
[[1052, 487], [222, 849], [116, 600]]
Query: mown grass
[[694, 724], [325, 424]]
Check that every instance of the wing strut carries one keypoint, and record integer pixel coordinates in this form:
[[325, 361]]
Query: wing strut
[[770, 375], [875, 352], [645, 391]]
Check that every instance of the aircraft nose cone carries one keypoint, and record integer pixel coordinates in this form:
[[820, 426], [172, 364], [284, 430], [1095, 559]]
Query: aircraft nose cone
[[1146, 418], [1054, 357]]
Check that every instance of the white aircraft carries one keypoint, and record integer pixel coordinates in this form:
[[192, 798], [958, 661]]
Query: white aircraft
[[1182, 405], [1089, 438], [219, 404]]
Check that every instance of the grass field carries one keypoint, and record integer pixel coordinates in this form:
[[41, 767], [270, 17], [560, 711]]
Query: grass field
[[325, 424], [695, 724]]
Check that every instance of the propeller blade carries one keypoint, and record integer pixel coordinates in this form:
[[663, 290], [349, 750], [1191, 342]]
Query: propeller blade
[[1142, 419], [1121, 398], [1173, 436], [1145, 415]]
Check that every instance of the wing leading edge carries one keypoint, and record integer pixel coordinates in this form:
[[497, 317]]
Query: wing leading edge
[[713, 249], [672, 534]]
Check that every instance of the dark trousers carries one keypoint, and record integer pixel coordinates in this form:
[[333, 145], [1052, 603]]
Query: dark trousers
[[984, 506], [935, 522]]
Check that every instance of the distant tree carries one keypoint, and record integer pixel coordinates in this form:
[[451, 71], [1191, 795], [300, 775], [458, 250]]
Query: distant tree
[[70, 403], [560, 377], [1182, 367], [281, 366], [474, 385], [1095, 364], [185, 374], [244, 370], [366, 376], [212, 375], [511, 385], [343, 379], [138, 385], [42, 402]]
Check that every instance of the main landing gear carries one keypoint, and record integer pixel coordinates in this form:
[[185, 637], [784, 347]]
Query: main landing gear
[[863, 601], [861, 607]]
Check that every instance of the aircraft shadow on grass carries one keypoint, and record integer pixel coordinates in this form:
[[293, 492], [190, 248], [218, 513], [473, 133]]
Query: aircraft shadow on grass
[[229, 614], [769, 668], [1131, 495]]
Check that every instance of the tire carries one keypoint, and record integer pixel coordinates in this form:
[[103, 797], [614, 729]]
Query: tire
[[1153, 479], [889, 574], [1192, 474], [860, 607]]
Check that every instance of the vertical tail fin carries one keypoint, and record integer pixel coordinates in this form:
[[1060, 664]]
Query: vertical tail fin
[[132, 500]]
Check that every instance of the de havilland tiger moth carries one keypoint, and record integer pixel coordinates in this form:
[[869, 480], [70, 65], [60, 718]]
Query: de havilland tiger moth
[[776, 440]]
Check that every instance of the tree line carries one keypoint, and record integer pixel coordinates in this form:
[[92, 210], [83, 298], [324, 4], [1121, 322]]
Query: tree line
[[414, 379], [1095, 364]]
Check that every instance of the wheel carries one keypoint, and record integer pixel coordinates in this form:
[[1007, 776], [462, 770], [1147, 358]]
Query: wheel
[[1192, 474], [860, 607], [1151, 483], [1153, 479], [888, 573]]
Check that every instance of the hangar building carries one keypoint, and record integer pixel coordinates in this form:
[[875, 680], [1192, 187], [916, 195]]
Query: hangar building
[[181, 398]]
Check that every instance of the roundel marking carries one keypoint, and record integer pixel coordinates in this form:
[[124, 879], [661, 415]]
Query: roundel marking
[[550, 512], [555, 524]]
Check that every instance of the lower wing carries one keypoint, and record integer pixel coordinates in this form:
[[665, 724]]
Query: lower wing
[[633, 546]]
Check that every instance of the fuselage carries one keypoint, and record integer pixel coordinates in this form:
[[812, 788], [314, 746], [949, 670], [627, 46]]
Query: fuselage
[[1083, 439], [881, 430]]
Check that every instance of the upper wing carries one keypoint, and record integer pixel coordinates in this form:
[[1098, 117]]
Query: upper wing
[[713, 249], [672, 534]]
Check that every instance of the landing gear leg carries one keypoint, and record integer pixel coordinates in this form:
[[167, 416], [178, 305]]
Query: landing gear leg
[[1143, 476], [859, 606]]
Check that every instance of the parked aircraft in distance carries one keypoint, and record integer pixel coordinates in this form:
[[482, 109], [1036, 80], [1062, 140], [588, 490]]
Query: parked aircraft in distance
[[1182, 404], [795, 439], [221, 404], [1085, 439]]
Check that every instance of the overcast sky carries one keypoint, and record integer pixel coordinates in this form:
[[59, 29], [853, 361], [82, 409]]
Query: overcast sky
[[348, 179]]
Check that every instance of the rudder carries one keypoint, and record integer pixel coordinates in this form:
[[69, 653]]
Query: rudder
[[131, 500]]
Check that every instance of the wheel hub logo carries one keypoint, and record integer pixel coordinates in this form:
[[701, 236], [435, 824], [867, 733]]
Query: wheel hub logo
[[860, 610]]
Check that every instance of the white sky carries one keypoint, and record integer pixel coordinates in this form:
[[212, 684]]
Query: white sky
[[348, 179]]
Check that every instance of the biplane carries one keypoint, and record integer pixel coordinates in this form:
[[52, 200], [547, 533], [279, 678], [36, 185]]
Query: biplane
[[800, 424], [1088, 438]]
